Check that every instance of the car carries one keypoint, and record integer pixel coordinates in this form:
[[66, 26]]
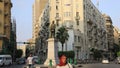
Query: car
[[5, 60], [105, 61], [36, 60], [117, 61], [20, 61]]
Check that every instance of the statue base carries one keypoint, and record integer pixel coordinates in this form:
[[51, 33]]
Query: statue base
[[52, 55]]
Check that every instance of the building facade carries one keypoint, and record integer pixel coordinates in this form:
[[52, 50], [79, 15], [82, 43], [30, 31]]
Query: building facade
[[116, 35], [38, 7], [5, 23], [85, 21], [85, 25], [13, 43], [40, 28], [110, 36], [41, 42]]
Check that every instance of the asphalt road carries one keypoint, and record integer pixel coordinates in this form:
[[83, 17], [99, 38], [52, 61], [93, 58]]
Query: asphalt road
[[98, 65]]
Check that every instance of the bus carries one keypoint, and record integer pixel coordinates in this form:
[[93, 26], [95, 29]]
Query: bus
[[5, 60]]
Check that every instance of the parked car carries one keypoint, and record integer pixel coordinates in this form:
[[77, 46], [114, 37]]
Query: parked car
[[5, 60], [20, 61], [36, 60], [117, 61], [105, 61]]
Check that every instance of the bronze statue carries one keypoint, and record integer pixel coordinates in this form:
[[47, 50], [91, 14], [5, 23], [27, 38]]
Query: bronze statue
[[52, 30]]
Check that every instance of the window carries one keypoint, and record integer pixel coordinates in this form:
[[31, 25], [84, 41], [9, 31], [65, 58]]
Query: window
[[0, 11], [108, 26], [57, 1], [67, 14], [57, 22], [1, 1], [78, 38], [57, 14], [77, 13], [56, 7], [75, 38], [77, 18], [77, 22]]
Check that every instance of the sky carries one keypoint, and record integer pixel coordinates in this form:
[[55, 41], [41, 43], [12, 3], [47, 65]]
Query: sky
[[22, 12]]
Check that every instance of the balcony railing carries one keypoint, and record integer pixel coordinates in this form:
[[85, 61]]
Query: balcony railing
[[77, 17], [77, 45], [2, 36], [57, 18]]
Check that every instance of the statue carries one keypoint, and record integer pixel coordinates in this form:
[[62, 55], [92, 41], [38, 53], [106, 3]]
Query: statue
[[52, 30]]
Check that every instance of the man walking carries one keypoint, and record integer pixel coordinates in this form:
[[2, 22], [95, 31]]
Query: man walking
[[30, 61]]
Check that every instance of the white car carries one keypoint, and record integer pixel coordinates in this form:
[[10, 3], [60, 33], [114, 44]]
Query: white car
[[5, 60], [118, 60], [105, 61], [35, 58]]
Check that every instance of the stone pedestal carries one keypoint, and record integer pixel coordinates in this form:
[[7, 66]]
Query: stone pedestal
[[52, 52]]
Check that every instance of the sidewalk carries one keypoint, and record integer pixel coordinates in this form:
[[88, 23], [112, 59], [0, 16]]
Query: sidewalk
[[39, 66], [42, 66]]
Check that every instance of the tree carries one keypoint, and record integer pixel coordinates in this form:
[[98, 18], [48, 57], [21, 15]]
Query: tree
[[118, 54], [19, 53], [69, 54], [97, 54], [62, 35]]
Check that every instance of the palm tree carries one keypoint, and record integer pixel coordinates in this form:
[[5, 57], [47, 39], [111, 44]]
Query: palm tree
[[62, 35]]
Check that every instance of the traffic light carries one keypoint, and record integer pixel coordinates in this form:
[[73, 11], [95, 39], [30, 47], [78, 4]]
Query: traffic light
[[26, 42]]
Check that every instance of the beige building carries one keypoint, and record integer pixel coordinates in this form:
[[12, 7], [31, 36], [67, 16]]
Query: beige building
[[40, 29], [110, 36], [23, 48], [110, 31], [5, 22], [38, 7], [84, 17], [116, 35], [84, 22]]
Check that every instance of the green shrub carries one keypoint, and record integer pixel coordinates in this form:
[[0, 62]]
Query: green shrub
[[69, 54]]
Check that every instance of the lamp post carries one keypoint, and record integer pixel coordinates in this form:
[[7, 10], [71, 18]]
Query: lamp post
[[77, 53], [78, 48]]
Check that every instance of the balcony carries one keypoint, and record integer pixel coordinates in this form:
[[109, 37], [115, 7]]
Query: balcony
[[90, 37], [90, 30], [57, 1], [95, 40], [89, 21], [77, 45], [95, 32], [95, 26], [77, 17], [57, 18], [5, 14], [2, 36]]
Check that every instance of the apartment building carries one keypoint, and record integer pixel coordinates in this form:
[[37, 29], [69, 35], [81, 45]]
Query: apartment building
[[84, 22], [5, 23]]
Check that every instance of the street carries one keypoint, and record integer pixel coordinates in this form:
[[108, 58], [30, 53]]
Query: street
[[13, 66], [98, 65]]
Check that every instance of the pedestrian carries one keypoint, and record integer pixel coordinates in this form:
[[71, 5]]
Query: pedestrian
[[30, 61], [63, 62]]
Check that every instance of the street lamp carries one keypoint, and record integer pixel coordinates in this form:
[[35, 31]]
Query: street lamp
[[78, 48]]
